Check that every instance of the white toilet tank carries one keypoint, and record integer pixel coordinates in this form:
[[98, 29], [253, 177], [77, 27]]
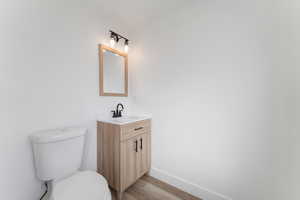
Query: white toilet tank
[[58, 153]]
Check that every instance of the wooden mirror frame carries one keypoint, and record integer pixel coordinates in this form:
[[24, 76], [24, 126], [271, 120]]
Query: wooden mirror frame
[[101, 74]]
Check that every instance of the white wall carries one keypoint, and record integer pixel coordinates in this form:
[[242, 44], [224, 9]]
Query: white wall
[[290, 71], [48, 78], [216, 78]]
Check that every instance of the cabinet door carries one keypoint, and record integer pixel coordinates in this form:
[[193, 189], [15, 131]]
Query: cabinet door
[[144, 154], [130, 159]]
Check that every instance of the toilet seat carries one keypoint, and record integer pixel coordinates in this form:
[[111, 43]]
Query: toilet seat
[[84, 185]]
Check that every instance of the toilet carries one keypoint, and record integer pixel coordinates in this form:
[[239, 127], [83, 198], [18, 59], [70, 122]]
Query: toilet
[[58, 156]]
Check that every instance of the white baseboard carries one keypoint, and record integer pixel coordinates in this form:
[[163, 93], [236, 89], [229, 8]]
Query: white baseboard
[[187, 186]]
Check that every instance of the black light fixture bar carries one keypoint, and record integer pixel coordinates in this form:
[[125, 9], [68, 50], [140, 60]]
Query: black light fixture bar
[[118, 36]]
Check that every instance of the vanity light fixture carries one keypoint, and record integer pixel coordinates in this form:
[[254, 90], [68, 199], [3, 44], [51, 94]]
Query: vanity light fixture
[[115, 37]]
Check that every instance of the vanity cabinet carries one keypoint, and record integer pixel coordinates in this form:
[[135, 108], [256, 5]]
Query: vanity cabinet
[[123, 152]]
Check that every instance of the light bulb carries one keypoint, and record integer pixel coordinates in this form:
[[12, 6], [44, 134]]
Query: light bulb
[[112, 42], [126, 48], [126, 45]]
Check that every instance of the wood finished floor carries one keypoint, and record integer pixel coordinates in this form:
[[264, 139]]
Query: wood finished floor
[[149, 188]]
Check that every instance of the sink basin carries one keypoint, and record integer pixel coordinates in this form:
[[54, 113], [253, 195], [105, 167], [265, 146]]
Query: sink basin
[[124, 119]]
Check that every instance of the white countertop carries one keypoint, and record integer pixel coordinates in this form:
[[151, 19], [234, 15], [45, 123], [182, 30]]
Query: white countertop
[[123, 120]]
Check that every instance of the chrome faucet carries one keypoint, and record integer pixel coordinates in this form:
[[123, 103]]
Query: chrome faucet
[[117, 112]]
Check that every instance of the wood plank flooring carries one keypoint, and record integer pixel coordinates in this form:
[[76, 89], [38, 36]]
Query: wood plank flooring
[[149, 188]]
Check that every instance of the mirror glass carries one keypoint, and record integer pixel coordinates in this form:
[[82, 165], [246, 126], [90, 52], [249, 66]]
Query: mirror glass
[[113, 72]]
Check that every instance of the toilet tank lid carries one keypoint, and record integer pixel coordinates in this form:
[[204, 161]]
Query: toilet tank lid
[[55, 135]]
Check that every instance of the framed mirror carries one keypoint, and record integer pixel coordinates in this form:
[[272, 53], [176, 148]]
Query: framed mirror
[[113, 72]]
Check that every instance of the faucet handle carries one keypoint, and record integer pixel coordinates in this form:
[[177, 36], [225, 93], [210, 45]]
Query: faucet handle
[[114, 113]]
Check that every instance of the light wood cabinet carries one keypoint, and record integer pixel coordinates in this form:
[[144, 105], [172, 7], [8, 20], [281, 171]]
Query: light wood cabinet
[[144, 156], [123, 152]]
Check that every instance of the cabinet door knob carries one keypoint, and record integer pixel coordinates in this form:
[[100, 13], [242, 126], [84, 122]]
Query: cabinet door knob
[[141, 143], [136, 146]]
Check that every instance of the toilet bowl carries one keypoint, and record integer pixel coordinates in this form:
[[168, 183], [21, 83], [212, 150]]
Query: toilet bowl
[[80, 186], [58, 156]]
